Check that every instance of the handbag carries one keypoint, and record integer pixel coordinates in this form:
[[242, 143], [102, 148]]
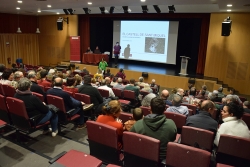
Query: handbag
[[53, 108]]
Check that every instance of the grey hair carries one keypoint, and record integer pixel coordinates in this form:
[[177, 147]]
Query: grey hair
[[31, 74], [24, 84], [246, 103], [231, 98], [119, 80], [141, 79], [177, 100], [210, 95], [18, 74], [220, 89], [153, 80]]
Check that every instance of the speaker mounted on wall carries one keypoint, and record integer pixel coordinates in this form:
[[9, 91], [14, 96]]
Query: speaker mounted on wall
[[226, 27]]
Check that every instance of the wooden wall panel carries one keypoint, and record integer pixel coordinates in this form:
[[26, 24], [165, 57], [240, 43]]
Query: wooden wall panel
[[54, 45], [221, 51]]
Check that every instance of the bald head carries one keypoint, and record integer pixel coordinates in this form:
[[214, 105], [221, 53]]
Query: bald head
[[164, 94], [58, 82], [180, 91], [207, 105]]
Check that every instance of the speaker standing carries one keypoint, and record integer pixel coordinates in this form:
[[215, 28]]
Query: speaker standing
[[117, 49]]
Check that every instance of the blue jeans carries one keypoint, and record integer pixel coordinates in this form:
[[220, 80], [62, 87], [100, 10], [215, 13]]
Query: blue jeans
[[78, 109], [53, 118]]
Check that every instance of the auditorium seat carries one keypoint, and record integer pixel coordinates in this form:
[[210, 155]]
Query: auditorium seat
[[130, 95], [197, 137], [118, 93], [180, 155], [103, 142], [39, 96], [233, 151], [4, 112], [140, 150], [222, 165], [145, 110], [189, 106], [125, 117], [246, 119], [74, 158], [179, 120], [104, 93], [70, 93], [47, 88], [112, 165], [9, 91]]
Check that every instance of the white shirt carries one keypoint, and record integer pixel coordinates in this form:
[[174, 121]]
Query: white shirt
[[232, 126], [105, 87]]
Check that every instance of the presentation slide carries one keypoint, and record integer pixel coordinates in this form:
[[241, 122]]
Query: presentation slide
[[147, 40]]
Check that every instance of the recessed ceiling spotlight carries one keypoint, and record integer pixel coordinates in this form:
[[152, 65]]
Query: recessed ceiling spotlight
[[49, 6], [17, 8], [90, 3], [57, 13], [20, 1], [229, 5], [143, 0], [39, 11], [229, 10]]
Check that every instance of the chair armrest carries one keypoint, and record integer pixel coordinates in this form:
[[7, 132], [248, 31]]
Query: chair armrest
[[33, 119], [51, 161], [163, 162], [69, 113]]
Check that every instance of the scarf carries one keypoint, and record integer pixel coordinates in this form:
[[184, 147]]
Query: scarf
[[26, 92]]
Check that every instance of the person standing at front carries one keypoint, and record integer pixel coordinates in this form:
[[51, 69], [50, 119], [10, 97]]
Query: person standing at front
[[117, 49]]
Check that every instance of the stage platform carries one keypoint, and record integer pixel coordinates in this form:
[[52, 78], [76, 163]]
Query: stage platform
[[165, 75]]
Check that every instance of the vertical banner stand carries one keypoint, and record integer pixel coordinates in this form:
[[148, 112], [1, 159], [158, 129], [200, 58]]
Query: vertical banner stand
[[184, 64], [75, 49]]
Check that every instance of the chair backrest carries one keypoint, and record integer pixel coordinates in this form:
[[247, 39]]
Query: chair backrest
[[179, 119], [9, 91], [41, 86], [189, 106], [246, 119], [243, 99], [83, 97], [125, 117], [128, 94], [70, 93], [18, 113], [144, 93], [191, 136], [47, 88], [104, 93], [4, 112], [41, 97], [233, 150], [117, 92], [56, 101], [154, 89], [179, 155], [140, 150], [145, 110]]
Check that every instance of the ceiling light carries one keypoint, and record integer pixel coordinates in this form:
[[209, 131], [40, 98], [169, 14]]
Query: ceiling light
[[49, 6], [229, 10], [229, 5], [20, 1], [143, 0], [17, 8], [57, 13], [39, 11], [90, 3]]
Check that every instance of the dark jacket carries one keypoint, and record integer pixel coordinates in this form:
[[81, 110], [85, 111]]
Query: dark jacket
[[203, 120], [158, 127], [36, 88], [94, 94], [33, 105], [68, 103]]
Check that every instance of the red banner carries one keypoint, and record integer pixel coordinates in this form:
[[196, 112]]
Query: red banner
[[75, 49]]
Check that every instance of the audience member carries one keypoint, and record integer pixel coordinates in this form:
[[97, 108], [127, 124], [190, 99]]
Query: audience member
[[246, 106], [111, 112], [233, 124], [7, 77], [34, 86], [107, 73], [43, 80], [105, 87], [89, 50], [114, 81], [132, 87], [17, 76], [97, 50], [192, 92], [69, 102], [204, 87], [164, 96], [147, 99], [174, 91], [121, 74], [156, 125], [71, 82], [78, 81], [35, 107], [85, 71], [141, 83], [177, 108], [94, 94], [215, 96], [220, 94], [99, 75], [102, 65], [154, 85], [180, 92], [119, 84], [204, 120], [232, 92], [108, 82], [94, 83], [137, 115], [2, 68], [147, 88], [202, 95]]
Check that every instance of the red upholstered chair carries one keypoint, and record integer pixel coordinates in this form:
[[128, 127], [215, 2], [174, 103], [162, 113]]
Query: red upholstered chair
[[145, 110], [189, 106], [20, 118], [222, 165], [191, 136], [118, 93], [75, 158], [130, 95], [83, 97], [154, 90], [112, 165], [179, 155], [140, 150], [1, 89], [246, 119], [104, 93], [41, 97], [125, 82], [4, 112], [41, 86], [9, 91], [64, 116], [47, 88], [103, 142], [70, 93], [144, 93], [179, 119], [233, 151], [125, 117]]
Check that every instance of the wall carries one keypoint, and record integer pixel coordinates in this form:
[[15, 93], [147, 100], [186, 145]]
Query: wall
[[53, 44], [228, 57]]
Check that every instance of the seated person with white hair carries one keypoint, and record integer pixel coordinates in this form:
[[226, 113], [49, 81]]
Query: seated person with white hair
[[215, 97], [180, 92], [35, 107], [141, 83], [153, 85], [147, 88], [147, 99], [17, 76], [232, 92], [105, 87], [114, 81], [177, 108], [119, 84], [246, 107]]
